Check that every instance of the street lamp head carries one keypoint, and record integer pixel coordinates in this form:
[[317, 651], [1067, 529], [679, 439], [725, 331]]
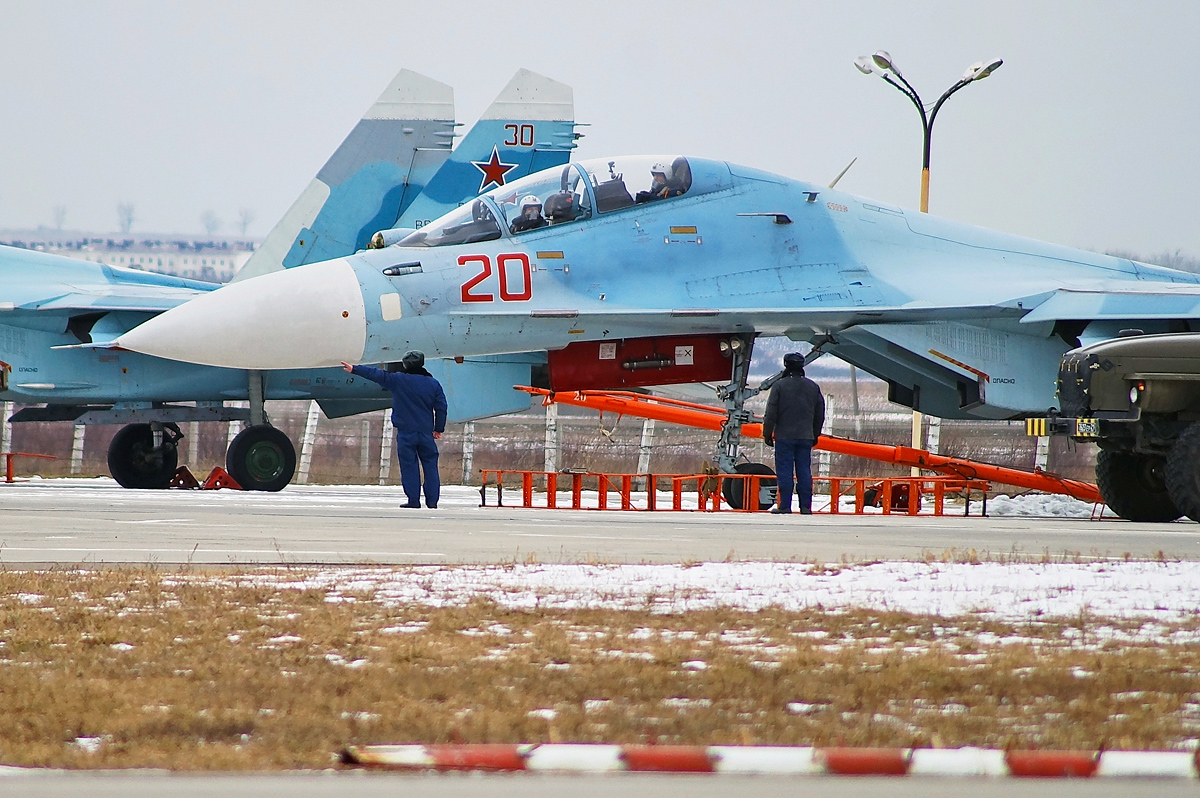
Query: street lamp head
[[980, 70], [863, 64], [989, 69], [883, 60]]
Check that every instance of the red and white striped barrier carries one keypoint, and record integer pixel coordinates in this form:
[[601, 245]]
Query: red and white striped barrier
[[778, 760]]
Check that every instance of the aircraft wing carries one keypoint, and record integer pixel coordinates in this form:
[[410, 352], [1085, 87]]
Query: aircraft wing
[[36, 281], [765, 321], [1127, 301]]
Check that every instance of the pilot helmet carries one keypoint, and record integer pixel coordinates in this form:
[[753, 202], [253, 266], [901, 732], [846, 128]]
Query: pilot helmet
[[662, 169], [413, 360], [794, 361], [530, 201]]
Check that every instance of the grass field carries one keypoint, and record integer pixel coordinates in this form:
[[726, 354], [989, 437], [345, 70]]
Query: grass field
[[187, 670]]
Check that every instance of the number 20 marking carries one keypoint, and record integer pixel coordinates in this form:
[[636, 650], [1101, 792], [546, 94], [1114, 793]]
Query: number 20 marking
[[519, 136], [503, 262]]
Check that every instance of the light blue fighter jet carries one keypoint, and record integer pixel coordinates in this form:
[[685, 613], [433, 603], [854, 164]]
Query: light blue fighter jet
[[59, 316], [661, 269]]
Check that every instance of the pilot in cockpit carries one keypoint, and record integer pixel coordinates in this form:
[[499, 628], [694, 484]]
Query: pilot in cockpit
[[530, 217], [662, 185]]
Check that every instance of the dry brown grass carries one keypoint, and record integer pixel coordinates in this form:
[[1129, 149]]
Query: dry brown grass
[[186, 671]]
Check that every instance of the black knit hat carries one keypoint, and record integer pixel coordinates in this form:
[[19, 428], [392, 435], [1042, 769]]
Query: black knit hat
[[793, 362]]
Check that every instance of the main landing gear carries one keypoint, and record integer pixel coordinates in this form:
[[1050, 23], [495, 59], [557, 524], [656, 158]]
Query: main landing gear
[[261, 457], [734, 395], [144, 455]]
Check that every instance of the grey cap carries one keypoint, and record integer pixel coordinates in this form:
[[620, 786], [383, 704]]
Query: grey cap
[[413, 359]]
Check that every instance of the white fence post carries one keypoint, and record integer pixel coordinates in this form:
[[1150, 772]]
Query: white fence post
[[468, 453], [193, 439], [385, 449], [306, 443], [364, 450], [1041, 458], [823, 457], [933, 439], [77, 450], [6, 428], [234, 427], [552, 439], [644, 448]]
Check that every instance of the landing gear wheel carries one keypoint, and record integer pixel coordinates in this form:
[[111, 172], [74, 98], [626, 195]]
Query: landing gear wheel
[[134, 462], [1133, 486], [734, 489], [1183, 472], [261, 458]]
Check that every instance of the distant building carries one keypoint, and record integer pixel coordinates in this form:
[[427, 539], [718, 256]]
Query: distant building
[[209, 258]]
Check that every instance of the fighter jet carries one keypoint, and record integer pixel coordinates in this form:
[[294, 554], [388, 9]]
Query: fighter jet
[[59, 316], [659, 269]]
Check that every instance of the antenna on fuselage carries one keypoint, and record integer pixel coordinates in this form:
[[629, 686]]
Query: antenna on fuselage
[[843, 172]]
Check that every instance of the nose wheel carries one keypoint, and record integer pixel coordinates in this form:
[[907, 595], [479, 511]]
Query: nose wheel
[[261, 457]]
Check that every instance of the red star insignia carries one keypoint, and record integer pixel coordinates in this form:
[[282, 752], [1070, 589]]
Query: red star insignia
[[493, 170]]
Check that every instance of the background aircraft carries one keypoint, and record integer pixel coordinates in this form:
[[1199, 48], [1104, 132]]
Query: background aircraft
[[630, 282], [58, 314]]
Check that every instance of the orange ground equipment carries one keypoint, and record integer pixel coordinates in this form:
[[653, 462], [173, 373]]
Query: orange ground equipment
[[897, 495], [692, 414], [8, 462]]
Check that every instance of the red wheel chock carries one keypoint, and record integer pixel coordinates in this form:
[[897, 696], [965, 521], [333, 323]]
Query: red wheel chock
[[218, 478], [183, 479]]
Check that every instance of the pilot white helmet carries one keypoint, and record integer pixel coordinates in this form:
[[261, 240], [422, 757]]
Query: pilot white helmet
[[530, 201], [662, 169]]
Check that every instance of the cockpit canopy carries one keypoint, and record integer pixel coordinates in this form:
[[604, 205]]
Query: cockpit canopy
[[563, 195]]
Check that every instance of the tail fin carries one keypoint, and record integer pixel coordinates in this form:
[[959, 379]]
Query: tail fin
[[409, 130], [529, 127]]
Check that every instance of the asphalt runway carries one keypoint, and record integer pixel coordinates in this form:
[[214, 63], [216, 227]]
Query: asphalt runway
[[153, 785], [95, 521]]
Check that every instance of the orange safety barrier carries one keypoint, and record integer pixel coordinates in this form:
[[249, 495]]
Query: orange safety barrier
[[894, 495], [708, 417], [8, 462]]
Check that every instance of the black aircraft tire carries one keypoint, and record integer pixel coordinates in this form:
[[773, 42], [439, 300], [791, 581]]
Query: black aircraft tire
[[261, 458], [1133, 486], [734, 489], [1183, 473], [133, 462]]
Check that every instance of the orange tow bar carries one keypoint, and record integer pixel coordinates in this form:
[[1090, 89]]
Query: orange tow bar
[[691, 414]]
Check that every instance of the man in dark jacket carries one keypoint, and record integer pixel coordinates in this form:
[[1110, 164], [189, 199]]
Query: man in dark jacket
[[419, 416], [795, 415]]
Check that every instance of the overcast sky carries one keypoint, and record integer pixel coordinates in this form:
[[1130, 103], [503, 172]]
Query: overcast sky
[[1087, 136]]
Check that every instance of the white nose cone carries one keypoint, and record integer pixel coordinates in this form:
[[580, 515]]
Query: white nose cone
[[307, 317]]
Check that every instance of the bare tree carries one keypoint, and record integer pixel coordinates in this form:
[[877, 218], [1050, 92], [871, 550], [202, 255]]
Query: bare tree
[[211, 222], [60, 216], [246, 218], [125, 216]]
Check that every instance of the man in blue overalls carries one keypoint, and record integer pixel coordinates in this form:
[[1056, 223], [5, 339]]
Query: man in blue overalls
[[419, 416]]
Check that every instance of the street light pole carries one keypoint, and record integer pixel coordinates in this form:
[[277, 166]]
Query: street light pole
[[881, 64]]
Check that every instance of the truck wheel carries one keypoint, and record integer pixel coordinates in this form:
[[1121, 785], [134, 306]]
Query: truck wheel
[[261, 458], [1183, 472], [134, 463], [1133, 486], [733, 489]]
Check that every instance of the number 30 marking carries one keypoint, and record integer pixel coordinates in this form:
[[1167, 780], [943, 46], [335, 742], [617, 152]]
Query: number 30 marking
[[504, 264], [519, 136]]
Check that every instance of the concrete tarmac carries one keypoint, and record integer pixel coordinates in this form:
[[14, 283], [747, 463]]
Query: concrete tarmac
[[293, 785], [95, 521]]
